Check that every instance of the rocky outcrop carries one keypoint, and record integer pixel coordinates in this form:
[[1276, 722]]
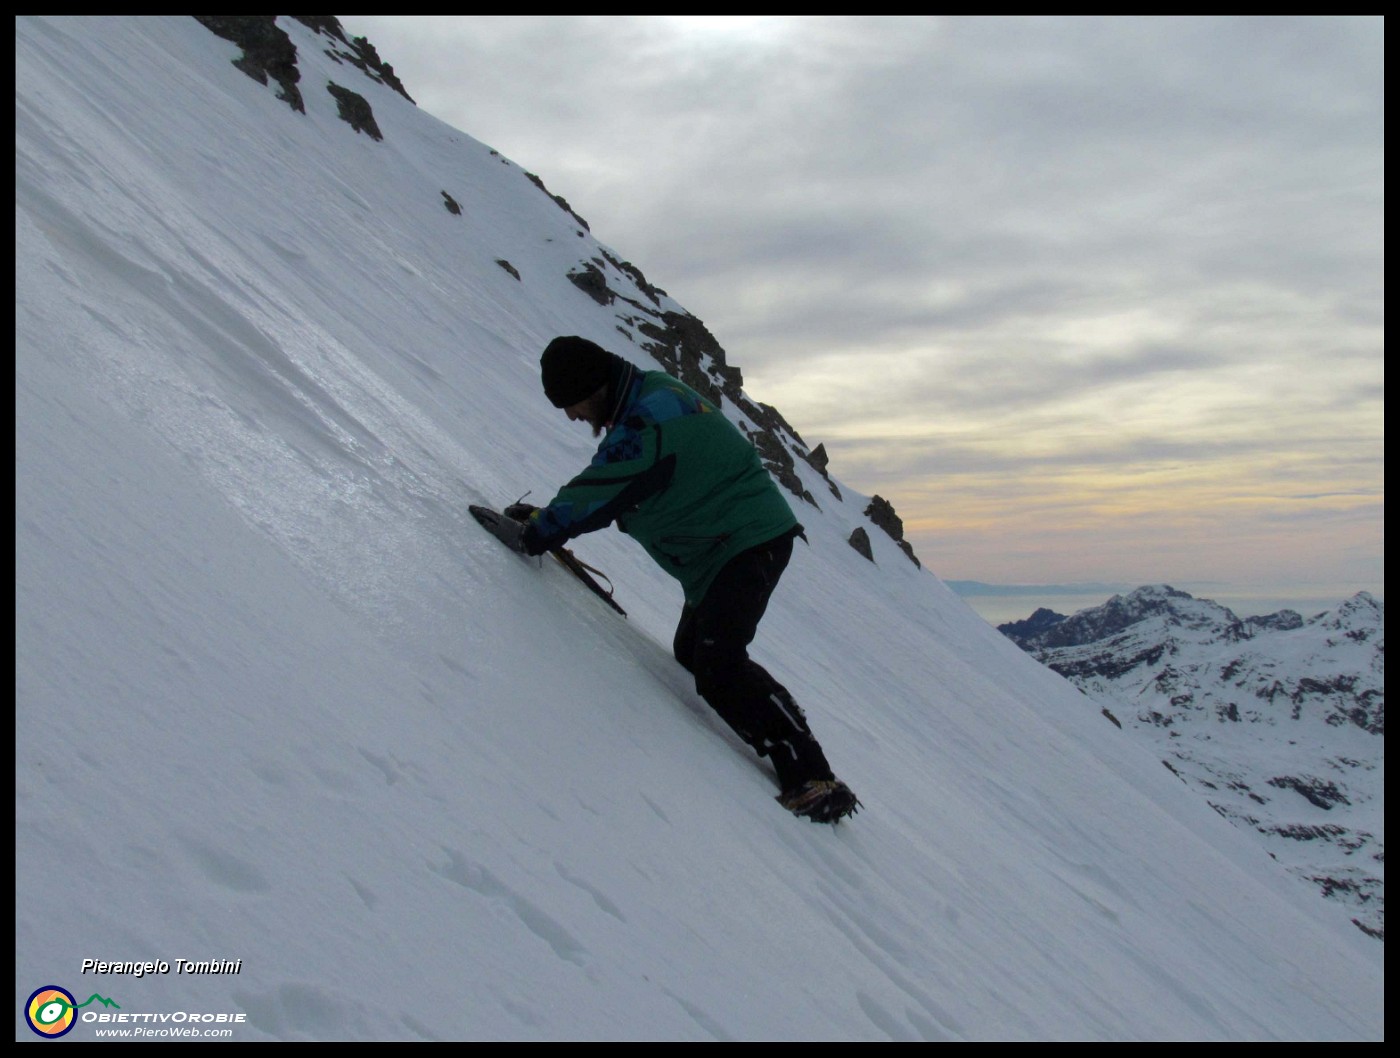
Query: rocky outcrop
[[267, 51], [357, 51], [632, 272], [1033, 626], [588, 278], [860, 540], [881, 512], [558, 200], [355, 111], [684, 346]]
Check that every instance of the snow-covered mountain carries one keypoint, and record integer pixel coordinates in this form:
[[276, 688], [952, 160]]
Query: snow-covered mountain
[[299, 747], [1278, 720]]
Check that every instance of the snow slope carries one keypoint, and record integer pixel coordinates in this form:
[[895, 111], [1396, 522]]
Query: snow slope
[[280, 701]]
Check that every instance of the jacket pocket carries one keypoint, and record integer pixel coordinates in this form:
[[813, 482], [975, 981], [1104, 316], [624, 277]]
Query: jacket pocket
[[681, 551]]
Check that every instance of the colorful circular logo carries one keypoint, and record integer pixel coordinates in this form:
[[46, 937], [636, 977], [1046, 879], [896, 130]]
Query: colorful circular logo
[[51, 1011]]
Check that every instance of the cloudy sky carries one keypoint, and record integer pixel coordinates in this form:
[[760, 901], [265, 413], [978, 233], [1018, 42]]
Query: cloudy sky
[[1087, 299]]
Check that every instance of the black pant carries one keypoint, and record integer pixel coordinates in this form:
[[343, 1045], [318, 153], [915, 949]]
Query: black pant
[[712, 643]]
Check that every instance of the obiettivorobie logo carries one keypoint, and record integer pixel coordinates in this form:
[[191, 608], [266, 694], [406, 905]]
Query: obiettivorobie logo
[[52, 1011]]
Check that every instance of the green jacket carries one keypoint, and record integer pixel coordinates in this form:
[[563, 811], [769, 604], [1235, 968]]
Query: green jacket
[[675, 475]]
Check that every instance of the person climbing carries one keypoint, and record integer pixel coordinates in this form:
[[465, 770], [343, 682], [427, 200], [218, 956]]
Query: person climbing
[[679, 478]]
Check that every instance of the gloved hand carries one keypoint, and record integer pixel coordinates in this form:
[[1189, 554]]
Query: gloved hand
[[520, 511], [530, 542]]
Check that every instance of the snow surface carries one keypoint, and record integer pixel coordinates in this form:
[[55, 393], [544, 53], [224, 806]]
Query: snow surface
[[279, 700]]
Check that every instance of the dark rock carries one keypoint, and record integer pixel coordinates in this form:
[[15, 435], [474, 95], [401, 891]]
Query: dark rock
[[355, 110], [451, 204], [634, 273], [1370, 931], [1305, 832], [778, 461], [508, 267], [1037, 623], [267, 51], [881, 512], [685, 347], [1318, 791], [358, 51], [590, 279], [860, 540], [1109, 663], [1283, 621], [558, 200]]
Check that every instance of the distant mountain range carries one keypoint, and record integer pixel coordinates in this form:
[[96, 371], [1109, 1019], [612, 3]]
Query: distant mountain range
[[1279, 721], [967, 588]]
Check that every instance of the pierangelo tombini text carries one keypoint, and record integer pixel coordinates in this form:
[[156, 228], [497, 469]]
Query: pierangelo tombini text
[[162, 966]]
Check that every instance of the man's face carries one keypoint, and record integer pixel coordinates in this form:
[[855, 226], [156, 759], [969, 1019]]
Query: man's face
[[591, 410]]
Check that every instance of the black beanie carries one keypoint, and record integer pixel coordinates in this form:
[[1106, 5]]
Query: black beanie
[[573, 369]]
